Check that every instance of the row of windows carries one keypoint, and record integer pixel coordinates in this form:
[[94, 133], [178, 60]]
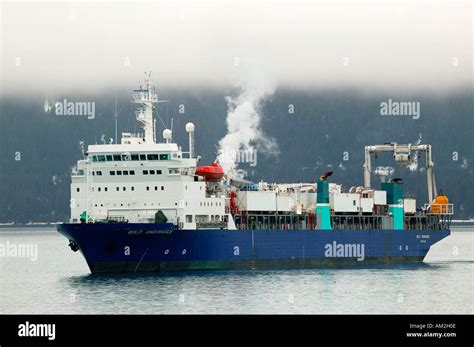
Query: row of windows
[[152, 172], [156, 188], [99, 189], [132, 172], [122, 172], [128, 204], [210, 204], [132, 157]]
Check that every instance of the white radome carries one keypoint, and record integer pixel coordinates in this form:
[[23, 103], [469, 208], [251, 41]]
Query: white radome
[[189, 127], [167, 133]]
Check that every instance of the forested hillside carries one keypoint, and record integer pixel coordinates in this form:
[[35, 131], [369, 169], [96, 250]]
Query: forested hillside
[[38, 148]]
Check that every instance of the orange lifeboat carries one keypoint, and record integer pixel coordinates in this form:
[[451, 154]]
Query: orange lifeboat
[[440, 204], [211, 173]]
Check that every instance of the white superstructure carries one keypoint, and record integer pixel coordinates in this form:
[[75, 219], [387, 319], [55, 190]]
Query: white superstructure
[[135, 179]]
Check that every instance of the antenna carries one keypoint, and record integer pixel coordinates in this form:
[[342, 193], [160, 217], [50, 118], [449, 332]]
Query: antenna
[[171, 126], [116, 113], [116, 136]]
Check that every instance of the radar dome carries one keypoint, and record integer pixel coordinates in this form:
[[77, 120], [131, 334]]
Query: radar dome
[[189, 127]]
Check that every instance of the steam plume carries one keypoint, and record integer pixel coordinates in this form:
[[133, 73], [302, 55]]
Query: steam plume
[[244, 134]]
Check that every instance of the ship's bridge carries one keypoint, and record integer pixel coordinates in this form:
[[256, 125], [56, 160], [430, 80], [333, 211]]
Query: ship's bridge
[[133, 148]]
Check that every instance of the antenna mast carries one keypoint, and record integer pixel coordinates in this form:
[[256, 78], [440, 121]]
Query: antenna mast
[[116, 114], [146, 98]]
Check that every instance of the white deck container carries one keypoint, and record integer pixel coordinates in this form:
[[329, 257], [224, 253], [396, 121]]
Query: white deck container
[[366, 204], [380, 197], [409, 205], [345, 202], [257, 200]]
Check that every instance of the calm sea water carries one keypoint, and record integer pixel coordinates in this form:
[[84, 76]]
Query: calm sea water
[[58, 281]]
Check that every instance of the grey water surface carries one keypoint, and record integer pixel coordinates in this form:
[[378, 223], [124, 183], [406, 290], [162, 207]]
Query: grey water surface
[[58, 281]]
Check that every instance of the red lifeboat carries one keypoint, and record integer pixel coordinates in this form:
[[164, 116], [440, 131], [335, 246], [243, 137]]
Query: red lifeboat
[[211, 173]]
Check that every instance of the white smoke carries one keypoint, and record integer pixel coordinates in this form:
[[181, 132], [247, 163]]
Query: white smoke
[[244, 133]]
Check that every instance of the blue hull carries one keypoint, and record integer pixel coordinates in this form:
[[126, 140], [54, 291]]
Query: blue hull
[[118, 247]]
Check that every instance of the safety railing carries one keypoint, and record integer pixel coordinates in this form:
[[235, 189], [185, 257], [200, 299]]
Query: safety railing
[[432, 209]]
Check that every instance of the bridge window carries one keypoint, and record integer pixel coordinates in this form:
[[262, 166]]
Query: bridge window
[[125, 172], [101, 158], [142, 156], [158, 172], [94, 158], [135, 157], [145, 172], [152, 172], [132, 172], [119, 173], [117, 157], [112, 173], [164, 157], [109, 157], [152, 156]]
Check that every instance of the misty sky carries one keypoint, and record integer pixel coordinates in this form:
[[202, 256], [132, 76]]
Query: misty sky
[[375, 44]]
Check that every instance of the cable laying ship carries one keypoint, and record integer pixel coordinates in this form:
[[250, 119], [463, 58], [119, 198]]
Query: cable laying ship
[[147, 206]]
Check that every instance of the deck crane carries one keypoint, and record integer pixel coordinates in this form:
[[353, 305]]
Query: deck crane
[[402, 155]]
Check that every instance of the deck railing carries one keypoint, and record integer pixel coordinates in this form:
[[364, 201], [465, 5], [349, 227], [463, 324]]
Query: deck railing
[[431, 209]]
